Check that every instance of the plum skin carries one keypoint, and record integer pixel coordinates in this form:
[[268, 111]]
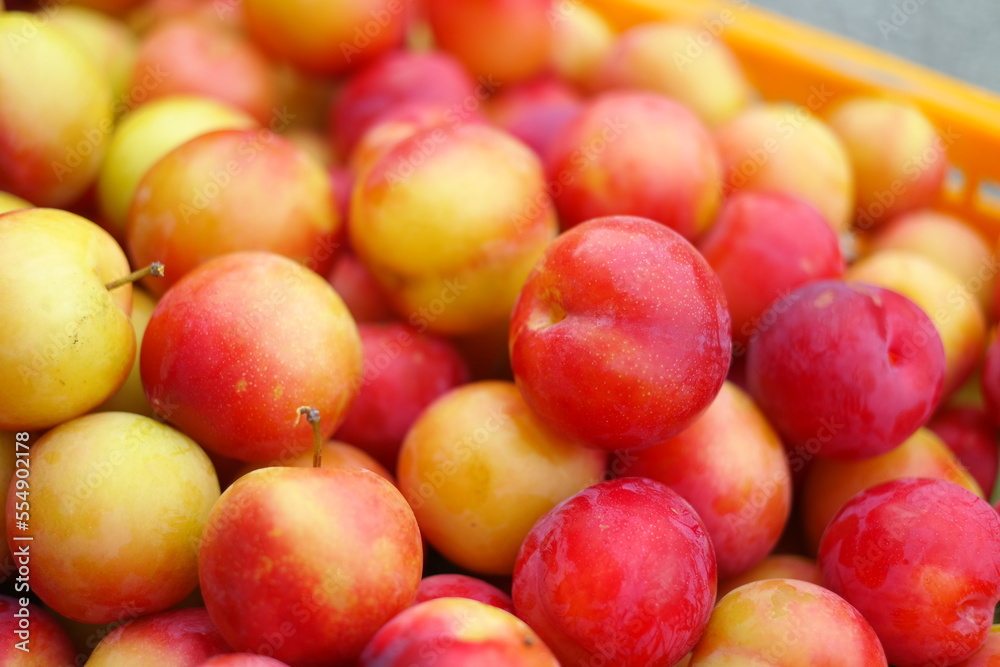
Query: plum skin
[[620, 336], [623, 572], [845, 370], [919, 559]]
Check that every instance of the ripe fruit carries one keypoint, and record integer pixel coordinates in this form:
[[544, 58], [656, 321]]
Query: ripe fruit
[[730, 465], [450, 221], [620, 337], [956, 314], [328, 38], [191, 56], [145, 135], [117, 505], [918, 558], [234, 348], [479, 468], [404, 372], [306, 565], [536, 111], [785, 148], [395, 80], [948, 242], [333, 454], [32, 637], [229, 191], [242, 660], [581, 39], [452, 632], [361, 294], [610, 160], [9, 202], [659, 57], [898, 159], [990, 379], [506, 40], [845, 370], [55, 113], [462, 586], [400, 123], [107, 40], [775, 566], [130, 397], [988, 653], [179, 638], [787, 623], [596, 598], [968, 432], [829, 484], [762, 246], [67, 343]]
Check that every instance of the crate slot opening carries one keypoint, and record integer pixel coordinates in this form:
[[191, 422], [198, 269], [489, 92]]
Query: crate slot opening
[[954, 182], [988, 193]]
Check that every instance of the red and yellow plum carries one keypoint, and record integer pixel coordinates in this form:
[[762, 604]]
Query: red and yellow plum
[[620, 337]]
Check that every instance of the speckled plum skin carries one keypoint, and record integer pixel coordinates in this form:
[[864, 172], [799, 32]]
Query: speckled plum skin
[[307, 564], [239, 344], [463, 586], [620, 337], [455, 632], [787, 623], [920, 559], [845, 370], [623, 573]]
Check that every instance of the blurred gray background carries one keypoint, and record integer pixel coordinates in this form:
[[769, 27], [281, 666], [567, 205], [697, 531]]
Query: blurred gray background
[[956, 37]]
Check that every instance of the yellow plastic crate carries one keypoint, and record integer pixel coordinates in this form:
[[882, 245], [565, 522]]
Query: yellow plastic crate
[[787, 60]]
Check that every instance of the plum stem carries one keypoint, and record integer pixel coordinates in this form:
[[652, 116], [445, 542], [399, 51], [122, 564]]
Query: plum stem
[[155, 269], [312, 416]]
